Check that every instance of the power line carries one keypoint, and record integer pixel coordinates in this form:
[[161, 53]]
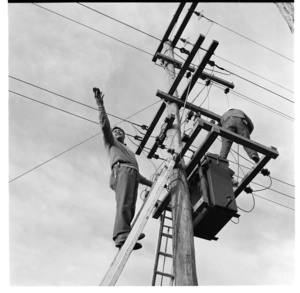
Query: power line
[[256, 84], [83, 141], [94, 30], [54, 107], [270, 176], [258, 103], [73, 100], [274, 202], [247, 38], [144, 33], [253, 73], [120, 21], [176, 54], [75, 146]]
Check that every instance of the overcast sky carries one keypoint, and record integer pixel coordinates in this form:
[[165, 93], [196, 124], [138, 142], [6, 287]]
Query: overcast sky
[[61, 214]]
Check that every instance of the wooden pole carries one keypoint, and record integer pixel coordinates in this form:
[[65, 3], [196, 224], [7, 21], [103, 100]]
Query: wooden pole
[[287, 11], [183, 235]]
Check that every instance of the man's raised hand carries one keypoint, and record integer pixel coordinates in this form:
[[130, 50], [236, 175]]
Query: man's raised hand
[[99, 96]]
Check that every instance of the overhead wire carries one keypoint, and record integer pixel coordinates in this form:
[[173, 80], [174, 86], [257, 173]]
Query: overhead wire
[[74, 146], [93, 29], [102, 33], [247, 38], [144, 33], [119, 21], [205, 35], [77, 102]]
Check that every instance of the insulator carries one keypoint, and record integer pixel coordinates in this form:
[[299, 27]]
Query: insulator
[[211, 63], [145, 127], [207, 82], [136, 137], [265, 172], [226, 91], [171, 151], [185, 51], [248, 189], [188, 74], [155, 156]]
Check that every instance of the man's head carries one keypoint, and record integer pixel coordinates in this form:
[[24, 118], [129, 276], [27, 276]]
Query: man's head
[[118, 133]]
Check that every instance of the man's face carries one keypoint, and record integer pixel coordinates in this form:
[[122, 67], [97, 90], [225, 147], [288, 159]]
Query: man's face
[[119, 134]]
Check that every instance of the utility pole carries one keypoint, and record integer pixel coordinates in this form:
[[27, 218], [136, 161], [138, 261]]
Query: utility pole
[[184, 265], [287, 11]]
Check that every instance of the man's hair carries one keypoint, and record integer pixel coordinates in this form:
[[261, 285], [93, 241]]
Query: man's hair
[[117, 127]]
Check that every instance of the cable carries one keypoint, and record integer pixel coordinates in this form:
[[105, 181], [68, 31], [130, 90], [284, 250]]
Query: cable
[[131, 45], [259, 86], [253, 73], [120, 22], [54, 157], [274, 202], [266, 187], [77, 101], [258, 103], [251, 208], [94, 30], [74, 147], [54, 107], [248, 38]]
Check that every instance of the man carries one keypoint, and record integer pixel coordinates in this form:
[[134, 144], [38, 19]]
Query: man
[[125, 176], [237, 121]]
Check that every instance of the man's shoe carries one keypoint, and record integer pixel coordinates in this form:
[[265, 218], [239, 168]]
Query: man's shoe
[[142, 236], [136, 246], [255, 158]]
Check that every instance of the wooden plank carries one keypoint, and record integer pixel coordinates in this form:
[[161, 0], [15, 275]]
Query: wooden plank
[[251, 175], [199, 70], [151, 128], [203, 76], [186, 64], [188, 105], [271, 152], [169, 29], [155, 145], [184, 23]]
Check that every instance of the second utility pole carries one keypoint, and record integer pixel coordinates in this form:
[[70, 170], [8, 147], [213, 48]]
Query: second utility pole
[[184, 265]]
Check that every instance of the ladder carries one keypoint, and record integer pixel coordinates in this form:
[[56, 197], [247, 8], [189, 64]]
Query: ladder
[[123, 254], [165, 224]]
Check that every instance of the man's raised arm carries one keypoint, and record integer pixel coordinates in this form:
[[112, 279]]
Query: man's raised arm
[[103, 119]]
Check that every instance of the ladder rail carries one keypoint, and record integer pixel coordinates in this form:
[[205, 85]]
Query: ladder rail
[[166, 246], [122, 256], [161, 226]]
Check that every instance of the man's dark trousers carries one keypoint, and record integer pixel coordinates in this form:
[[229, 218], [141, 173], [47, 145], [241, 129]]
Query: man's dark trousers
[[237, 125], [126, 189]]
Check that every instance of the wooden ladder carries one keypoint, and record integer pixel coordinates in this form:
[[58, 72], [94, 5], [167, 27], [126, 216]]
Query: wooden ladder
[[162, 254]]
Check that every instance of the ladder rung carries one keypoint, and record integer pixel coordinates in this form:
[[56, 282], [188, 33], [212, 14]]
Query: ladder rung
[[166, 254], [168, 226], [165, 274], [168, 218], [166, 235]]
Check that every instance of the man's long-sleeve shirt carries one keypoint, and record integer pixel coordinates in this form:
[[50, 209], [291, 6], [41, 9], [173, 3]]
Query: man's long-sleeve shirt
[[117, 151]]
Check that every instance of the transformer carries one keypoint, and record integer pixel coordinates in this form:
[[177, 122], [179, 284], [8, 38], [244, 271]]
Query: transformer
[[212, 196]]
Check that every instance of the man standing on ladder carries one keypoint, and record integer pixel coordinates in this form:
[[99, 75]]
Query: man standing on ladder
[[125, 176], [237, 121]]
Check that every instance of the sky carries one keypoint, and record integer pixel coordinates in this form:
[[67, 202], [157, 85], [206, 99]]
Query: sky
[[61, 214]]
